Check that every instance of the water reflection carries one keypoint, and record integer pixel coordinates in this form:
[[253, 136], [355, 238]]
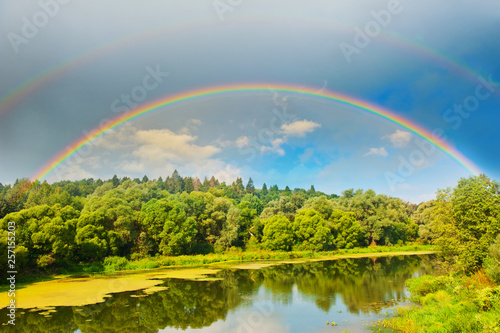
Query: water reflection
[[363, 287]]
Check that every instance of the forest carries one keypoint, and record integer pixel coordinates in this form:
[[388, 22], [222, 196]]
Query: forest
[[88, 221]]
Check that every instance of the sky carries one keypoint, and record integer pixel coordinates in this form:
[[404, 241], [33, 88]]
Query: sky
[[68, 66]]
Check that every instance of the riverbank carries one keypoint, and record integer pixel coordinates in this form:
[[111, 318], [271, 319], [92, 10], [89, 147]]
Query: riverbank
[[121, 264], [84, 289], [449, 303], [115, 264]]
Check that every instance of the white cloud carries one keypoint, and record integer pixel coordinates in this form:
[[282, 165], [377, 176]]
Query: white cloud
[[161, 145], [70, 171], [224, 143], [399, 138], [159, 152], [377, 151], [242, 141], [299, 128], [223, 172], [191, 126], [275, 147], [116, 138]]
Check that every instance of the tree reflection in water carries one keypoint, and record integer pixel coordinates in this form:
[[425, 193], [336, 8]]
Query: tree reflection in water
[[364, 285]]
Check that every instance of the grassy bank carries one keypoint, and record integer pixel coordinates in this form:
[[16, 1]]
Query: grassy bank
[[450, 304], [112, 264], [117, 264]]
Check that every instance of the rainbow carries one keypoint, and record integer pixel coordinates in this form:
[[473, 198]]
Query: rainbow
[[43, 78], [252, 88]]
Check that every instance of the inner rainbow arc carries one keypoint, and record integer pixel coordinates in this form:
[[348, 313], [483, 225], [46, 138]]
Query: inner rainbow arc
[[250, 88]]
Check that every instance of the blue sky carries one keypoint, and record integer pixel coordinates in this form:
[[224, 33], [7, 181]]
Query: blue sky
[[273, 138]]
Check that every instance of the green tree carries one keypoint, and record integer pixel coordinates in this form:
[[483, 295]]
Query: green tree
[[250, 188], [468, 221], [320, 204], [287, 191], [424, 219], [179, 231], [188, 185], [115, 181], [311, 231], [278, 234], [346, 230], [230, 229], [152, 217], [92, 242], [492, 263], [264, 191]]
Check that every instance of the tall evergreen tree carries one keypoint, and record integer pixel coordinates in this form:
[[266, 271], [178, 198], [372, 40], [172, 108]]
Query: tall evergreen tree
[[264, 190], [188, 185], [287, 190], [197, 184], [177, 182], [115, 181], [213, 182], [250, 187], [312, 190], [240, 189]]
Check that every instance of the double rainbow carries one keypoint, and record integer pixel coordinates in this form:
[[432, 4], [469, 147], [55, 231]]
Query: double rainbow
[[253, 88]]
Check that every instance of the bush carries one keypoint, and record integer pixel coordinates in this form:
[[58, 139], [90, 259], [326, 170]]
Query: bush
[[253, 244], [138, 256], [492, 263], [426, 284], [487, 298], [115, 263], [45, 261]]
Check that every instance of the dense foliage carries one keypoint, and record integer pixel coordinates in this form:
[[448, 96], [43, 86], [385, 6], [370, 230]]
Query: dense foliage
[[465, 223], [89, 220]]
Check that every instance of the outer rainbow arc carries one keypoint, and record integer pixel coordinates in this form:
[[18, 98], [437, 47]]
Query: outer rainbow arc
[[257, 88], [25, 88]]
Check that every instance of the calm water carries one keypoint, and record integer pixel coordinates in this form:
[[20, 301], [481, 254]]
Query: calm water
[[284, 298]]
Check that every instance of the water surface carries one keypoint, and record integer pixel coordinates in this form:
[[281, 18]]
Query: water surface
[[302, 297]]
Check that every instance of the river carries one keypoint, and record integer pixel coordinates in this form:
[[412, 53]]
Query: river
[[353, 294]]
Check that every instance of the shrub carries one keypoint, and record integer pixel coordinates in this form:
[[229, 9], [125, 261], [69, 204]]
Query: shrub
[[492, 263], [487, 298], [426, 284], [45, 261], [138, 256], [115, 263]]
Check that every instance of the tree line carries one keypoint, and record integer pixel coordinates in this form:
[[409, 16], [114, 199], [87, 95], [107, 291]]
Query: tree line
[[88, 220]]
